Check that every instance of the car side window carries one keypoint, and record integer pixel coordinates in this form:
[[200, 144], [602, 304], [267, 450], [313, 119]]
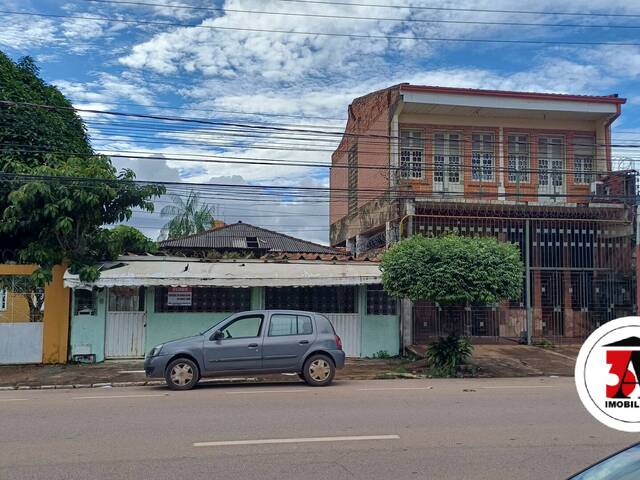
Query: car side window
[[622, 466], [244, 327], [287, 324]]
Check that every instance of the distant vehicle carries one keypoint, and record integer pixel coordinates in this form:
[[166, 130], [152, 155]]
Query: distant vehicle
[[624, 465], [253, 342]]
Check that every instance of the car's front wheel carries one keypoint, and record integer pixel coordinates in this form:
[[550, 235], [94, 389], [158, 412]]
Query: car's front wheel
[[319, 370], [182, 374]]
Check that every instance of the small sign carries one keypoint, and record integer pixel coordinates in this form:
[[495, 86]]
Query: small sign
[[179, 297]]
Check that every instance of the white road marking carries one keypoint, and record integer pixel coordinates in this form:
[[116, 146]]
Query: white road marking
[[271, 441], [393, 388], [516, 386], [131, 371], [254, 392], [13, 399], [100, 397]]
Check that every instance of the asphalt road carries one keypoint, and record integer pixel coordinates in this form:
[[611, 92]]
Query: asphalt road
[[527, 428]]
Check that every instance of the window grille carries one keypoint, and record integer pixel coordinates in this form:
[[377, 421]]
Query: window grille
[[551, 161], [447, 158], [312, 299], [378, 302], [584, 150], [84, 302], [482, 157], [518, 158], [411, 154]]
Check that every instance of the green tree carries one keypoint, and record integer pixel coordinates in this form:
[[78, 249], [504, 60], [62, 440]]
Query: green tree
[[53, 203], [126, 239], [187, 216], [453, 270]]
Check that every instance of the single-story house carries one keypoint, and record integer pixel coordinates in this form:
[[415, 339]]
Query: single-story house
[[198, 280], [141, 301]]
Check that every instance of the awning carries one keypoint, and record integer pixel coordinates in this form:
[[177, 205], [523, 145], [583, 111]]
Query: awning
[[142, 271]]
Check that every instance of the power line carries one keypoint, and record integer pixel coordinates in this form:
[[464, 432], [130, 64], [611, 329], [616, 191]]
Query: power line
[[328, 34], [282, 189], [351, 17], [264, 128], [451, 9], [232, 160]]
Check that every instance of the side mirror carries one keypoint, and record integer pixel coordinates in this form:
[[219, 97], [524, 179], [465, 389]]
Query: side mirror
[[217, 335]]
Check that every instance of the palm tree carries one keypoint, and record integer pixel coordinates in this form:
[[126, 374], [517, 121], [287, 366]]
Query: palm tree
[[187, 216]]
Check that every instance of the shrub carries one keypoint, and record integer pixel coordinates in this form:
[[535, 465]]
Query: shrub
[[381, 354], [447, 353]]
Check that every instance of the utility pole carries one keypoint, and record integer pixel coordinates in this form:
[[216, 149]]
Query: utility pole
[[527, 279]]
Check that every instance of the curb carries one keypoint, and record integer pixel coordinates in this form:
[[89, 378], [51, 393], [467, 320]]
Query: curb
[[149, 383]]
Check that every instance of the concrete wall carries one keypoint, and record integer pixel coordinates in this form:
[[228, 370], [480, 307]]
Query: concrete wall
[[87, 331], [55, 321]]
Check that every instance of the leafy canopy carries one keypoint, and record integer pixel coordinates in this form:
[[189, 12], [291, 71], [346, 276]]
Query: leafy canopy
[[453, 270], [54, 209], [127, 239], [187, 216]]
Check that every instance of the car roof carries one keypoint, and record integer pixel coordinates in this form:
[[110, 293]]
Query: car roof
[[282, 310]]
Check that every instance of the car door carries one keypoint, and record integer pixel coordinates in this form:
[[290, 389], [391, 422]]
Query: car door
[[288, 337], [239, 349]]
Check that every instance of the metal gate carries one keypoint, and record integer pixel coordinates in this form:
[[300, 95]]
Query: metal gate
[[347, 327], [124, 335]]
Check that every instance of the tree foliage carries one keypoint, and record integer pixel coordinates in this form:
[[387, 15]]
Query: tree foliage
[[54, 209], [453, 270], [187, 216], [127, 239]]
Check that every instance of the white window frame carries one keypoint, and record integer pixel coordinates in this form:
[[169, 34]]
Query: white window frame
[[411, 154], [519, 158], [4, 300], [442, 160], [584, 156], [553, 180], [483, 157]]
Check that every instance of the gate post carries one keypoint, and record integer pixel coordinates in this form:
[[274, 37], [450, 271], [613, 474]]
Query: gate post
[[527, 270]]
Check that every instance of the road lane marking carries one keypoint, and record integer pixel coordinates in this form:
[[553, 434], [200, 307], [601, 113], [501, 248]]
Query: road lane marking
[[271, 441], [13, 399], [393, 388], [517, 386], [254, 392], [99, 397], [131, 371]]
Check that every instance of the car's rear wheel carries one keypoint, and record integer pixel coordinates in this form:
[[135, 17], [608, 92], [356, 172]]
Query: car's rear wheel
[[182, 374], [319, 370]]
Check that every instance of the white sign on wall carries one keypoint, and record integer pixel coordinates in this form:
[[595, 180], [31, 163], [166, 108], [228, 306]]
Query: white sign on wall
[[179, 297]]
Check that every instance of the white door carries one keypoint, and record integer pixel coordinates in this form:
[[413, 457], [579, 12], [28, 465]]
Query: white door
[[124, 335], [448, 175], [551, 165], [347, 326]]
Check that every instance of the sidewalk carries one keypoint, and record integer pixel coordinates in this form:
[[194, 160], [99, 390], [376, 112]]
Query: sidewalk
[[488, 361]]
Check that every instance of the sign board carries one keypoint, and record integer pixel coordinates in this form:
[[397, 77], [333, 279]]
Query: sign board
[[179, 297]]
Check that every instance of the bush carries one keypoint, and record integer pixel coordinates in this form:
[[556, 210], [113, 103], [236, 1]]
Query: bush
[[381, 354], [448, 353]]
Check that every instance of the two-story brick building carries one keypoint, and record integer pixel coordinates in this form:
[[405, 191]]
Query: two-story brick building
[[531, 168]]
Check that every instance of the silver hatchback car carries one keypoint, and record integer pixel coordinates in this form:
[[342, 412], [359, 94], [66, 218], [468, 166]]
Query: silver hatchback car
[[253, 342]]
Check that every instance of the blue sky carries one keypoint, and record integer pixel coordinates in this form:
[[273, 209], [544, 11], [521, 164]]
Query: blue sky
[[297, 80]]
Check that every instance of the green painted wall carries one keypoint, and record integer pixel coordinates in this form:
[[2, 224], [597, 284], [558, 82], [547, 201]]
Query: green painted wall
[[162, 327], [378, 332], [88, 330]]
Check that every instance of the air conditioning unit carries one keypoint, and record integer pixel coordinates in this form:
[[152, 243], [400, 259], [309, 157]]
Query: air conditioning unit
[[597, 188]]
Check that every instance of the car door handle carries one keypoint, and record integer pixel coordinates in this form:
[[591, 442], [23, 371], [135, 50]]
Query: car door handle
[[303, 342], [253, 345]]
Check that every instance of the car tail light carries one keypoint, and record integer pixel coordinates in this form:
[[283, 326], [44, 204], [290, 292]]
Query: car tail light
[[338, 342]]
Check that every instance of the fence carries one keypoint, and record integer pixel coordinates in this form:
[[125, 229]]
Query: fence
[[579, 274]]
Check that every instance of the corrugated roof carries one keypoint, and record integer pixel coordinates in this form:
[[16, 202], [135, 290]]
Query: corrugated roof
[[235, 236], [161, 271]]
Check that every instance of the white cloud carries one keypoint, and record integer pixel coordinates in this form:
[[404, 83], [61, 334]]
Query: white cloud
[[22, 32]]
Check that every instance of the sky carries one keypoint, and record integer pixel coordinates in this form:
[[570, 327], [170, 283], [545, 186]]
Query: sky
[[216, 61]]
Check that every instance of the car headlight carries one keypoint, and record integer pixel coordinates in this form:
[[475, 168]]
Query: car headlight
[[155, 351]]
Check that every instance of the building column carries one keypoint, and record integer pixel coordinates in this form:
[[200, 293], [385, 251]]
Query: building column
[[257, 298], [361, 243], [410, 211], [390, 234], [501, 164], [351, 246]]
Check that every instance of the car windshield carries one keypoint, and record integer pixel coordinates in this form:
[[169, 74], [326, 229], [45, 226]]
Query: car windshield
[[623, 466]]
